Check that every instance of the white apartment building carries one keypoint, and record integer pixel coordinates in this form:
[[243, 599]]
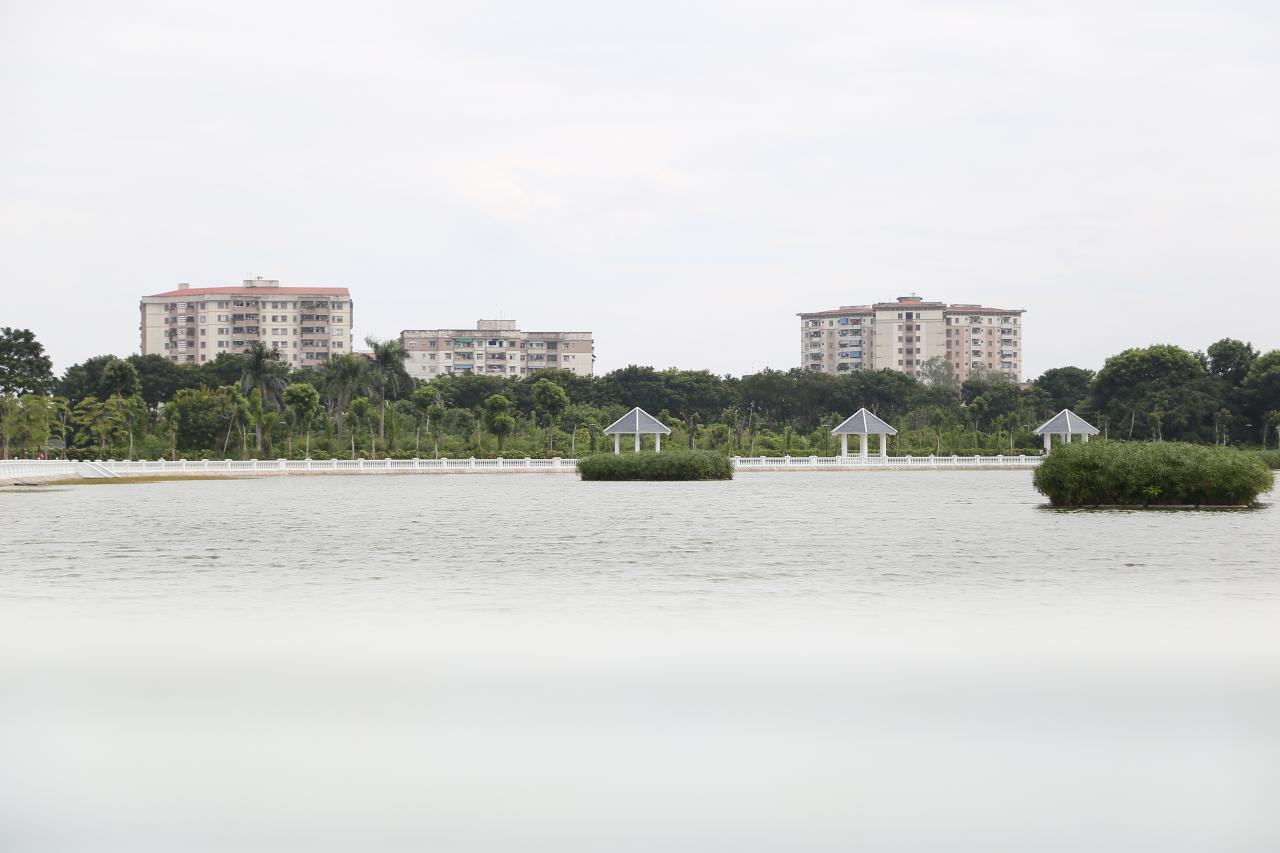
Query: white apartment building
[[904, 334], [495, 348], [193, 324]]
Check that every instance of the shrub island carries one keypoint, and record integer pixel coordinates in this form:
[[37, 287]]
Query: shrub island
[[1270, 457], [1111, 473], [674, 465]]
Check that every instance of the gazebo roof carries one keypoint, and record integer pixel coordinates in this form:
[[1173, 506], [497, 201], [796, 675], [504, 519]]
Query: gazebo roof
[[637, 422], [1067, 422], [861, 422]]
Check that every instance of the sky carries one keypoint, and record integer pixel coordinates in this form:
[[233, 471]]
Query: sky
[[679, 178]]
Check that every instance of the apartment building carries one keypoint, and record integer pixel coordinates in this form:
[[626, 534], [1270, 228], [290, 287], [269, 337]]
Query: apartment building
[[495, 348], [906, 333], [194, 324]]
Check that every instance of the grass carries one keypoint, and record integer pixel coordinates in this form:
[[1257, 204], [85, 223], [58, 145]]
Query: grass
[[1113, 473], [675, 465]]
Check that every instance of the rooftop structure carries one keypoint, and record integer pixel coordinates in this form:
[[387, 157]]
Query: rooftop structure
[[190, 325], [905, 334], [495, 348], [637, 422], [1064, 425], [863, 424]]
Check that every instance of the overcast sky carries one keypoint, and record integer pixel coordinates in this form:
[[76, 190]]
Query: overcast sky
[[680, 178]]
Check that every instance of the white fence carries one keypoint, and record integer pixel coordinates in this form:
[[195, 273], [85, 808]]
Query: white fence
[[779, 463], [19, 468]]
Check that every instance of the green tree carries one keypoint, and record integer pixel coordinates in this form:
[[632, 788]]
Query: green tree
[[497, 418], [579, 416], [196, 414], [303, 403], [435, 422], [233, 417], [345, 376], [550, 402], [422, 399], [264, 422], [263, 372], [387, 372], [1139, 382], [159, 378], [60, 421], [119, 379], [1065, 387], [24, 367], [1260, 390], [130, 415], [938, 371], [10, 423], [1230, 360], [35, 422], [357, 416], [97, 421]]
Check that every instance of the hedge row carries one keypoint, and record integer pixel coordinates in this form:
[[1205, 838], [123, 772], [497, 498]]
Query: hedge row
[[675, 465], [1112, 473]]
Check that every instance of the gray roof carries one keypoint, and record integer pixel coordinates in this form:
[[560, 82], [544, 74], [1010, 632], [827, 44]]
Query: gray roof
[[637, 421], [861, 422], [1067, 422]]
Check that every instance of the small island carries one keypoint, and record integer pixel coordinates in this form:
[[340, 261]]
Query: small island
[[1151, 474], [677, 465]]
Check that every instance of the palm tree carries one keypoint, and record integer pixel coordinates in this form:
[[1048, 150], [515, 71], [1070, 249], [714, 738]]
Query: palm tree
[[263, 420], [345, 376], [263, 371], [387, 369], [233, 408]]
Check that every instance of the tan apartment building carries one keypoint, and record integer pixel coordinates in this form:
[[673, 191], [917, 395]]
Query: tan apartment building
[[193, 324], [904, 334], [495, 348]]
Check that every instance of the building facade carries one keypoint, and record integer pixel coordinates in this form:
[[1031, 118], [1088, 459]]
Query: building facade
[[191, 325], [905, 334], [495, 348]]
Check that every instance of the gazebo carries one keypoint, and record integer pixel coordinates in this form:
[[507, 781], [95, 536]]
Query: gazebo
[[863, 424], [637, 422], [1064, 425]]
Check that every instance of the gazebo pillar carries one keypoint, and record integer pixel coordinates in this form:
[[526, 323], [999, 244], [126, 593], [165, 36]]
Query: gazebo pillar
[[1084, 437], [617, 445], [637, 442], [657, 442], [862, 445], [1048, 437], [844, 444], [884, 446]]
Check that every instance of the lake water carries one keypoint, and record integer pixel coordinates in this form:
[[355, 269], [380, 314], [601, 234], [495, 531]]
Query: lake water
[[875, 660]]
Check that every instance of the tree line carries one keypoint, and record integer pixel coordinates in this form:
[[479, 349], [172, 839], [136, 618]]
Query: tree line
[[251, 405]]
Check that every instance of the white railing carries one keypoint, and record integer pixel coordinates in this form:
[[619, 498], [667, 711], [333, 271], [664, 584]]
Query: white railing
[[18, 468], [772, 463]]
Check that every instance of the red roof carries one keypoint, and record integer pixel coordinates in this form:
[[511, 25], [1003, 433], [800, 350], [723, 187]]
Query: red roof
[[950, 309], [257, 291]]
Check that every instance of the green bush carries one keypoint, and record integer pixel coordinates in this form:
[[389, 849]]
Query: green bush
[[1270, 457], [1112, 473], [675, 465]]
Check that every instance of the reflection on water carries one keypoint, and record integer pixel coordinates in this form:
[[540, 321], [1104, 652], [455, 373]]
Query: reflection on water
[[872, 661]]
